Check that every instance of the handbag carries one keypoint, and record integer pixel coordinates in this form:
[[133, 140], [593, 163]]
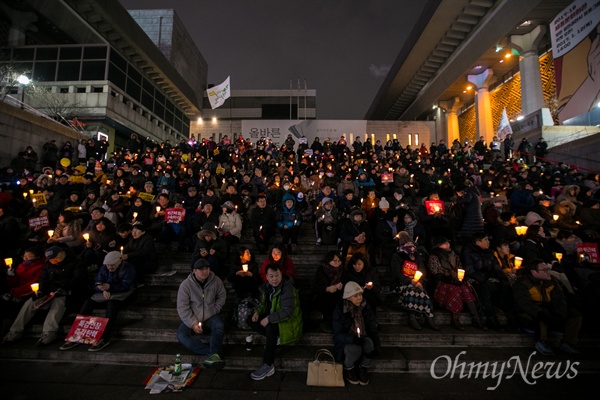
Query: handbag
[[325, 373]]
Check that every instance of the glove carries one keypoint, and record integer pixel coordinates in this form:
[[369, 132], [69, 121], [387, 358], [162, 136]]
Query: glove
[[358, 340], [329, 228], [6, 297]]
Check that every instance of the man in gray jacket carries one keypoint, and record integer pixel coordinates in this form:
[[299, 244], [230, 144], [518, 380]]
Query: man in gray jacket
[[200, 298]]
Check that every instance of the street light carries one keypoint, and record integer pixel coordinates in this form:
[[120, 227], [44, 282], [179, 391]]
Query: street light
[[23, 80]]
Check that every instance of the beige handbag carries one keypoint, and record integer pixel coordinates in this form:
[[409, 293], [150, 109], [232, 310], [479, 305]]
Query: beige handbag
[[325, 373]]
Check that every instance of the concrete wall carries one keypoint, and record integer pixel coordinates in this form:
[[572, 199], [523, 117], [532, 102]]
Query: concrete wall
[[19, 129]]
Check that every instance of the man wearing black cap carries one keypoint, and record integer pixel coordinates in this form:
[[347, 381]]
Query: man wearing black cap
[[200, 298], [63, 275]]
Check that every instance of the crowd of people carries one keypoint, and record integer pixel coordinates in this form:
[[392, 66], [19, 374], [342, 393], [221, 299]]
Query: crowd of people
[[441, 221]]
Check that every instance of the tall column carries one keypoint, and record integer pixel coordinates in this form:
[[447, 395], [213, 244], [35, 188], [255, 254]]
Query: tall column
[[21, 21], [483, 106], [451, 107], [532, 95]]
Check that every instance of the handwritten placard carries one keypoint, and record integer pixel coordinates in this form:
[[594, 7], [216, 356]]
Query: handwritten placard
[[39, 199], [589, 251], [149, 197], [174, 215], [87, 329], [38, 221], [435, 206], [409, 268]]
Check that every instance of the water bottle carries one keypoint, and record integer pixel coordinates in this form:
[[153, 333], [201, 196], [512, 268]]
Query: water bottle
[[249, 340], [177, 369]]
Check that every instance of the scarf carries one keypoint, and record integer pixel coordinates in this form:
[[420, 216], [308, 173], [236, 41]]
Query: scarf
[[410, 228], [334, 274], [357, 317]]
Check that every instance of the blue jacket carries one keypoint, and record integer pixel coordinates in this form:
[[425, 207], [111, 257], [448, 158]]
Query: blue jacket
[[121, 281], [288, 217]]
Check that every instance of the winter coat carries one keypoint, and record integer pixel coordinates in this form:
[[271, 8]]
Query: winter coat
[[68, 275], [532, 296], [122, 280], [473, 218], [285, 264], [281, 305], [141, 252], [479, 264], [288, 216], [196, 303], [25, 274], [232, 223], [342, 323]]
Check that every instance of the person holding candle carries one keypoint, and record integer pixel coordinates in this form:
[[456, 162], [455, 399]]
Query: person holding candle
[[327, 287], [245, 281], [485, 276], [278, 317], [359, 270], [450, 291], [63, 276], [278, 255], [68, 231], [263, 223], [18, 283], [140, 252], [230, 224], [326, 219], [100, 241], [211, 248], [407, 268], [355, 335], [289, 221], [200, 299]]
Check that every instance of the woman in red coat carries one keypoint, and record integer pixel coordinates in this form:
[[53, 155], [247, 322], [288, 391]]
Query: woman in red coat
[[278, 255], [19, 282]]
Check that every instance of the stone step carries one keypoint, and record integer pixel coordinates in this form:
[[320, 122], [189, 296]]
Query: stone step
[[295, 358]]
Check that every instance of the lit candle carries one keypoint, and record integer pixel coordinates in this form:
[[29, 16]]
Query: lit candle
[[518, 262], [489, 183], [35, 287], [86, 236], [157, 209], [260, 229], [461, 274], [200, 325], [555, 217], [24, 195], [245, 267], [394, 136], [358, 332], [50, 233], [121, 250], [135, 215], [418, 275], [8, 262], [30, 191], [559, 257], [369, 284]]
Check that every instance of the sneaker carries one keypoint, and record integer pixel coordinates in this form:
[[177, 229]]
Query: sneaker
[[542, 347], [11, 337], [318, 242], [262, 372], [68, 345], [363, 376], [567, 348], [214, 361], [352, 376], [46, 338], [102, 343]]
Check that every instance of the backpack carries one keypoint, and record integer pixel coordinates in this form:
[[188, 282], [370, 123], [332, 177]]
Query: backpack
[[245, 310]]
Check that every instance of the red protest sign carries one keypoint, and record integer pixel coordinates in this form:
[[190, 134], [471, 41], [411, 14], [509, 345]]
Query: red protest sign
[[435, 206], [387, 178], [38, 221], [409, 268], [588, 251], [174, 215], [87, 329]]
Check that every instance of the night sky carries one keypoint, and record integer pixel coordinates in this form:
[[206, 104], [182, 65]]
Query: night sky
[[342, 48]]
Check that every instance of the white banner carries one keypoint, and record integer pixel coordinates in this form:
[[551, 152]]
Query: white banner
[[504, 127], [218, 94], [573, 24]]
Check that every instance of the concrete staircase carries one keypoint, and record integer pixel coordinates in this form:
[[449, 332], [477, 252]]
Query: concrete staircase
[[146, 332]]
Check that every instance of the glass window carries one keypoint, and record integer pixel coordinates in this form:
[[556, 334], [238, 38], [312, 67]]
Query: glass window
[[70, 53], [68, 71], [134, 75], [118, 60], [93, 70], [170, 106], [116, 76], [22, 54], [159, 110], [169, 118], [44, 71], [46, 53], [147, 85], [178, 113], [94, 52], [133, 89], [147, 100], [159, 97]]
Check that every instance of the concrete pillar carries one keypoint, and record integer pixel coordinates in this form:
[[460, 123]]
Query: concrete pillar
[[20, 23], [532, 95], [483, 106], [451, 107]]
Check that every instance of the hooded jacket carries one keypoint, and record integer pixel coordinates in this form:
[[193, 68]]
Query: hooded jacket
[[288, 217], [196, 303]]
